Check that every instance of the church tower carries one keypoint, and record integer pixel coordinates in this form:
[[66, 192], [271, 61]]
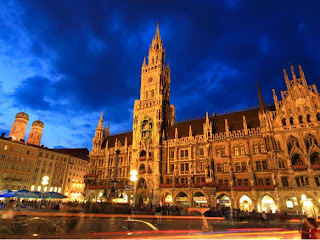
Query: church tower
[[98, 136], [35, 133], [19, 126], [153, 115]]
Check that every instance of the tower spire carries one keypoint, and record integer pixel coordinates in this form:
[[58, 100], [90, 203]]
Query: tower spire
[[302, 76], [261, 103], [293, 73], [157, 36], [286, 78], [100, 124]]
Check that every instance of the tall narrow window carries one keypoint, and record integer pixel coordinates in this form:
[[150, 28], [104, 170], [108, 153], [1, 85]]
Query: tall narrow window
[[291, 120], [308, 118], [284, 122], [300, 119]]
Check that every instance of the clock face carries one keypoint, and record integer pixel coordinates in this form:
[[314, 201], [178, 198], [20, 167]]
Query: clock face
[[150, 79]]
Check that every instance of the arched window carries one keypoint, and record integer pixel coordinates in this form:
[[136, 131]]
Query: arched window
[[308, 118], [318, 116], [143, 153], [281, 163], [142, 169], [152, 93], [262, 147], [310, 140], [255, 148], [291, 120], [315, 158], [146, 94], [242, 151], [292, 142], [296, 160], [284, 122], [236, 150], [300, 119]]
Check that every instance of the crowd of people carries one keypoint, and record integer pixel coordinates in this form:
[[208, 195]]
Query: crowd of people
[[310, 227]]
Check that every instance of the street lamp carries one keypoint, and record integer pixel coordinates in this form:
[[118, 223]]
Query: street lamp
[[133, 178], [44, 182]]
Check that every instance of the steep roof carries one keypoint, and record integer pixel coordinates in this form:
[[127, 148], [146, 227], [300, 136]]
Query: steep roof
[[235, 123], [74, 152], [120, 137]]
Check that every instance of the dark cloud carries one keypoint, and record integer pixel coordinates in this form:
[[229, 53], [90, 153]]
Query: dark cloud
[[217, 51], [32, 93]]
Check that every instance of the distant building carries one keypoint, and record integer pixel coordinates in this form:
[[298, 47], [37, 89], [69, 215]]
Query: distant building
[[27, 165], [265, 159]]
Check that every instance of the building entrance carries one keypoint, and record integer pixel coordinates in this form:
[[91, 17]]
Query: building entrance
[[268, 205], [245, 203]]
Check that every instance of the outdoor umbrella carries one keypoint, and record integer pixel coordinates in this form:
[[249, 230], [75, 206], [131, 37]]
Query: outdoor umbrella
[[53, 195], [5, 191], [37, 194], [17, 194]]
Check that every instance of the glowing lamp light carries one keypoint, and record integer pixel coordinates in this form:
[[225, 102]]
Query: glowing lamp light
[[45, 180], [133, 172], [133, 178]]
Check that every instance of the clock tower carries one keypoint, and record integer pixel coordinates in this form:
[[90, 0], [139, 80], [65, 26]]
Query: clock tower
[[153, 115]]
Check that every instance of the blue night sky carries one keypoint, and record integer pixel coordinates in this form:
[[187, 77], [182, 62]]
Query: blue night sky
[[62, 62]]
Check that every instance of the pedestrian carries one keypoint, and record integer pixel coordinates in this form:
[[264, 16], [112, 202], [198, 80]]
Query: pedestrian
[[231, 215], [73, 219], [314, 228], [235, 214], [305, 230], [158, 214], [7, 215], [265, 218]]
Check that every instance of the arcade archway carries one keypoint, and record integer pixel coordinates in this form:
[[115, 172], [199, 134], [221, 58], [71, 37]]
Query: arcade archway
[[308, 206], [268, 205], [143, 199], [182, 199], [200, 200], [245, 203], [223, 201]]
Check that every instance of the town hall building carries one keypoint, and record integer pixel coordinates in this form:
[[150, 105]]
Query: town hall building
[[265, 159]]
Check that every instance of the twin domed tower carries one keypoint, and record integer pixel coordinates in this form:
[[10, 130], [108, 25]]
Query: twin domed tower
[[19, 127]]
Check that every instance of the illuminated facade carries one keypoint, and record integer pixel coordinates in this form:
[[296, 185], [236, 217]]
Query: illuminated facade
[[265, 159], [26, 165]]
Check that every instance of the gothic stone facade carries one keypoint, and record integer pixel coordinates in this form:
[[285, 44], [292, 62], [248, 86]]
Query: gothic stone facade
[[262, 159]]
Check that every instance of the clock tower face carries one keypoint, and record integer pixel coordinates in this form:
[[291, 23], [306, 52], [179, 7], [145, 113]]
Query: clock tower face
[[150, 80]]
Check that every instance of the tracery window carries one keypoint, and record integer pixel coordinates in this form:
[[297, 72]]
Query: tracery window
[[296, 160], [262, 147], [281, 163], [220, 151], [315, 158], [310, 140], [292, 142]]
